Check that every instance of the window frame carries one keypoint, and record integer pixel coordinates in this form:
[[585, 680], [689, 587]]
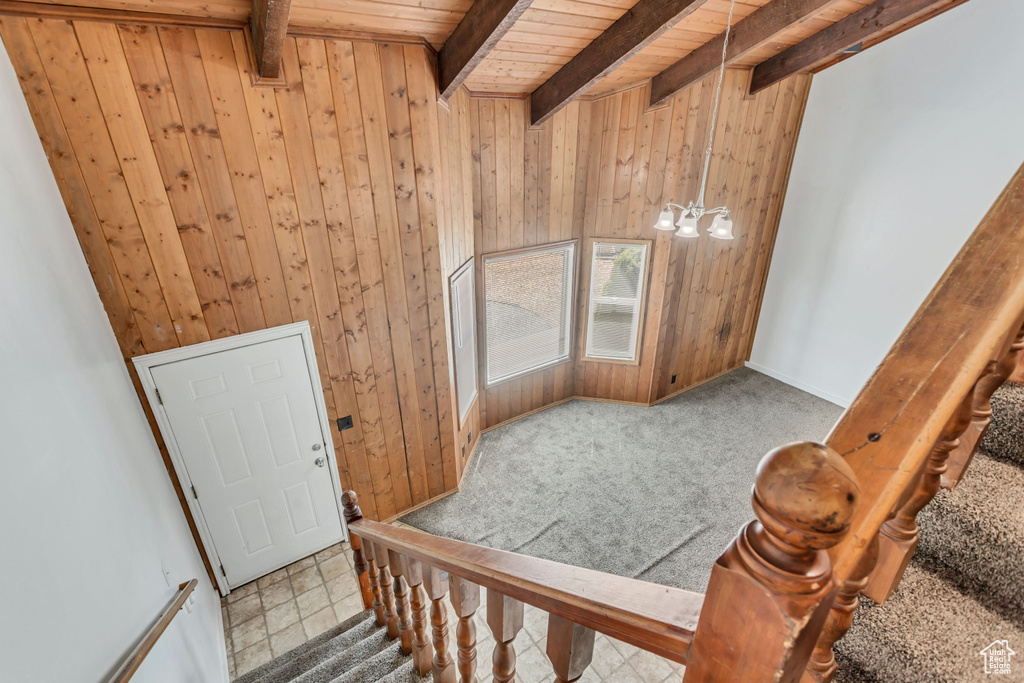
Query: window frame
[[508, 253], [642, 288], [468, 265]]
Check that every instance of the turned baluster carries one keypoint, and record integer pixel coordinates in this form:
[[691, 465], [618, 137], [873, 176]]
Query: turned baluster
[[993, 377], [378, 601], [505, 618], [570, 648], [422, 653], [435, 582], [466, 601], [387, 589], [822, 665], [402, 606], [771, 590], [350, 503], [898, 537]]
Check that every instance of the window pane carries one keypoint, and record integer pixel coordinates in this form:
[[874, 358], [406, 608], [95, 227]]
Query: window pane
[[613, 320], [464, 337], [528, 310]]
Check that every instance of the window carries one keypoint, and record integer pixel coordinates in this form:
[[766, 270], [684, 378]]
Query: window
[[617, 272], [464, 336], [528, 298]]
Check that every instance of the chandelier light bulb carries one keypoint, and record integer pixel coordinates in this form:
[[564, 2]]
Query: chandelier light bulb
[[687, 224], [721, 227], [665, 220]]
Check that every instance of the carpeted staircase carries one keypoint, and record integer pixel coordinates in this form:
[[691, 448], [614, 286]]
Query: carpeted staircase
[[964, 588], [355, 651]]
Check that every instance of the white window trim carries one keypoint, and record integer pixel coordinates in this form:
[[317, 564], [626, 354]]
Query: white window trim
[[540, 248], [456, 324], [640, 302]]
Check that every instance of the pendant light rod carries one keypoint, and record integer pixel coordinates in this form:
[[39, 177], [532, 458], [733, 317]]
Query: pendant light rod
[[714, 115]]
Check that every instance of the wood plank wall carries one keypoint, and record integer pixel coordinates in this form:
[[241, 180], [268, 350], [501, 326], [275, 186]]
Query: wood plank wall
[[207, 207], [605, 168]]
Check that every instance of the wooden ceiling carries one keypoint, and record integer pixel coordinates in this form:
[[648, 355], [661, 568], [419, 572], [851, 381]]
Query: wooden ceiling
[[548, 34]]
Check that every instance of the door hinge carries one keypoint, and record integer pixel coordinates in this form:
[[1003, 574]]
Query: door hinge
[[159, 398], [222, 570], [194, 494]]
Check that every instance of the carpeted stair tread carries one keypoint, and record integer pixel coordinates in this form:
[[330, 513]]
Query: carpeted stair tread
[[405, 674], [373, 669], [311, 653], [1005, 436], [975, 530], [928, 631], [350, 658]]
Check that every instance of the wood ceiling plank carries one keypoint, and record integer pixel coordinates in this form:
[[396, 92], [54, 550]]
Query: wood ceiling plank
[[269, 24], [867, 23], [632, 32], [748, 34], [476, 35]]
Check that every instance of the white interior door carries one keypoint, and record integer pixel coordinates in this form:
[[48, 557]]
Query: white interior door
[[246, 425]]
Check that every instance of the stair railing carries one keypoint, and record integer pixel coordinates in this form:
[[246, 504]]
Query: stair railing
[[918, 421], [832, 520]]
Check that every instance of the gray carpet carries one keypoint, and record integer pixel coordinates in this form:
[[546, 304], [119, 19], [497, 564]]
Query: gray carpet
[[965, 586], [653, 493]]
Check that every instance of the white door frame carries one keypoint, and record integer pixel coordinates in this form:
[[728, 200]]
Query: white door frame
[[144, 365]]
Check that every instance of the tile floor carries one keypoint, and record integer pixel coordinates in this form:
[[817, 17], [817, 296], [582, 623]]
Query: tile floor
[[282, 610]]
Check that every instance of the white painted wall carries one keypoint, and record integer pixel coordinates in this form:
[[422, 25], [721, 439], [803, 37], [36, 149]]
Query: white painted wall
[[903, 150], [89, 522]]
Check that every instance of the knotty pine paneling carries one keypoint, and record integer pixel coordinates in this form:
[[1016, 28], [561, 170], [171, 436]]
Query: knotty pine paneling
[[605, 168], [207, 207]]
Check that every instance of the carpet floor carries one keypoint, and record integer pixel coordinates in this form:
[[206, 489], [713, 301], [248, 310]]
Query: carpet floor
[[652, 493]]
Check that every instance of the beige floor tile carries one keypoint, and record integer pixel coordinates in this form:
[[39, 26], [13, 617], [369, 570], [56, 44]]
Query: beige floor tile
[[606, 658], [245, 609], [342, 586], [304, 579], [589, 676], [348, 606], [650, 667], [532, 665], [287, 639], [248, 633], [231, 667], [228, 644], [282, 616], [320, 622], [304, 563], [535, 623], [276, 593], [271, 578], [328, 552], [625, 674], [335, 566], [252, 657], [313, 601], [241, 592]]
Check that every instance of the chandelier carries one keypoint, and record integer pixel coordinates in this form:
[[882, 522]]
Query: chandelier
[[721, 226]]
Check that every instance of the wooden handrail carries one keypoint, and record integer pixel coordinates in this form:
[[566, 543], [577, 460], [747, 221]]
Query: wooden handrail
[[138, 655], [657, 618], [969, 319]]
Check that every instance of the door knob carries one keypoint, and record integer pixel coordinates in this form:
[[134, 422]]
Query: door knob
[[316, 447], [319, 462]]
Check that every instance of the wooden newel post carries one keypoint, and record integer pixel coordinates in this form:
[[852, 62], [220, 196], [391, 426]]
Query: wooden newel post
[[350, 505], [771, 590]]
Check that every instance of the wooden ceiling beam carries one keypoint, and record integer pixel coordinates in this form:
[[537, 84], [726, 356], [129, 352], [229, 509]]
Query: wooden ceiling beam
[[486, 22], [634, 30], [748, 34], [863, 25], [269, 25]]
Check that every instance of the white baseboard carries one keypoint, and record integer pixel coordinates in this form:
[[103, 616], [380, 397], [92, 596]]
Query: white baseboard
[[832, 398]]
